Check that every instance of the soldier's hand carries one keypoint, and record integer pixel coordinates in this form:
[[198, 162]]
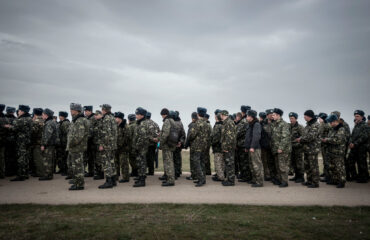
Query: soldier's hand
[[351, 145], [7, 125], [226, 151], [101, 148], [251, 150], [280, 151], [323, 140], [298, 140], [245, 150], [42, 148]]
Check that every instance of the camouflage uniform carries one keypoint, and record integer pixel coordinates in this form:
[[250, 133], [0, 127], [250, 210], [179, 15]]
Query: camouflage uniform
[[62, 154], [2, 144], [324, 130], [346, 158], [217, 151], [358, 154], [90, 155], [297, 150], [192, 152], [311, 147], [177, 158], [36, 136], [242, 163], [10, 147], [228, 145], [132, 154], [252, 140], [140, 145], [49, 140], [78, 134], [198, 138], [280, 139], [150, 156], [99, 172], [269, 168], [336, 145], [108, 140], [167, 150], [122, 153], [207, 157]]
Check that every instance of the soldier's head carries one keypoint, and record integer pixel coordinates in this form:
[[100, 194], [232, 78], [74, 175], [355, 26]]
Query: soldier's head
[[2, 107], [337, 113], [131, 117], [23, 109], [148, 115], [62, 115], [164, 113], [262, 116], [206, 116], [201, 112], [322, 117], [194, 117], [224, 115], [244, 109], [359, 115], [309, 115], [239, 116], [293, 117], [88, 110], [37, 112], [140, 113], [217, 115], [75, 109], [98, 114], [333, 120], [47, 113], [269, 113], [119, 116], [251, 115], [10, 110], [277, 113], [172, 114], [106, 108]]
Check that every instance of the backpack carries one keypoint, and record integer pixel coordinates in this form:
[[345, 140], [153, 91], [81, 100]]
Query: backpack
[[173, 138]]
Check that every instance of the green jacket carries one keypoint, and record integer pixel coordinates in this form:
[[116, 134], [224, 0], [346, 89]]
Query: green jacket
[[165, 133], [228, 135], [311, 137], [108, 132], [216, 137], [63, 132], [280, 137], [336, 140], [198, 136], [50, 135], [78, 134], [37, 127], [141, 136], [296, 131], [22, 127], [359, 135]]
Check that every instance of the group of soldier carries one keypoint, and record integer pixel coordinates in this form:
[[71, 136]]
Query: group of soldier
[[248, 146]]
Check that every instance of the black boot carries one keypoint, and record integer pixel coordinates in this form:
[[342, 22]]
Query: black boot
[[47, 178], [74, 187], [140, 182], [108, 183], [99, 176], [164, 177], [18, 179], [114, 180], [283, 185], [341, 185]]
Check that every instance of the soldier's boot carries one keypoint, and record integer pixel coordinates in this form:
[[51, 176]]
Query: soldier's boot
[[341, 185], [140, 182], [74, 188], [114, 180], [18, 178], [47, 178], [313, 185], [227, 184], [134, 173], [189, 178], [257, 185], [88, 174], [71, 181], [68, 177], [293, 178], [283, 185], [275, 181], [167, 184], [124, 180], [99, 176], [200, 183], [108, 183], [163, 177]]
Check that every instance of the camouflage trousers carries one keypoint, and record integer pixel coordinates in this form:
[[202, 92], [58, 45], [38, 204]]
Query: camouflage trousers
[[168, 165], [62, 156], [219, 165], [358, 156], [122, 164], [325, 160], [256, 166], [2, 161], [141, 162], [22, 161], [177, 159], [90, 158], [229, 166], [336, 170], [107, 160], [199, 166], [132, 160], [242, 162], [297, 161], [264, 157], [207, 162], [38, 160], [150, 159], [192, 166], [270, 158], [76, 161], [311, 167], [282, 166], [47, 159]]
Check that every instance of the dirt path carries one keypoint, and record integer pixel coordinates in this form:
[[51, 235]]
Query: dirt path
[[56, 192]]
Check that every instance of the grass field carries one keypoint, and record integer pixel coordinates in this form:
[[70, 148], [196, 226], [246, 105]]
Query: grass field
[[171, 221]]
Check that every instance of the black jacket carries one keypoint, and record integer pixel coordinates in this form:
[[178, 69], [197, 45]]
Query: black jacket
[[253, 135]]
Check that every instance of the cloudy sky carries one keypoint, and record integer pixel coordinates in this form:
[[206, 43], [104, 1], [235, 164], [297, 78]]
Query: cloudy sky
[[296, 55]]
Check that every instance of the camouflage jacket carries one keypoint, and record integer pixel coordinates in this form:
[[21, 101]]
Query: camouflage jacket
[[92, 127], [241, 130], [296, 131], [310, 138], [182, 134], [209, 134], [187, 141], [216, 137], [359, 135], [63, 132], [324, 130], [165, 133], [10, 135], [108, 132], [141, 136], [280, 137], [37, 128], [347, 129], [22, 127], [122, 144], [228, 135], [50, 135], [78, 134], [198, 136], [153, 131], [2, 129], [130, 135], [336, 140], [266, 134]]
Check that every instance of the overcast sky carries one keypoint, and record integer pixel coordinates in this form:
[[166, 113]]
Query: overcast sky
[[295, 55]]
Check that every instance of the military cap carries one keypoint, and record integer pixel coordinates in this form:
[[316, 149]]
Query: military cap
[[37, 111], [217, 111], [323, 116], [63, 114], [225, 112], [140, 111], [2, 107], [119, 115], [278, 111], [131, 117], [233, 116], [332, 118], [24, 108], [165, 111], [172, 114], [194, 115], [245, 108], [206, 116], [10, 109], [88, 108], [106, 106], [201, 111], [252, 113], [269, 111], [48, 112], [359, 112], [148, 115], [75, 106], [336, 113], [309, 113], [98, 112], [177, 114], [262, 115], [293, 114]]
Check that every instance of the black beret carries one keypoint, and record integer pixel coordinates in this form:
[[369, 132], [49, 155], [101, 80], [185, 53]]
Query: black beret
[[202, 111], [63, 114], [269, 111], [165, 111], [359, 112], [140, 111], [37, 111], [194, 115], [278, 111], [293, 114], [252, 113], [332, 118], [131, 117], [262, 115], [88, 108], [119, 115], [172, 114], [10, 109], [24, 108], [217, 111], [245, 108], [323, 116], [309, 113], [177, 114], [2, 107], [48, 112], [206, 115]]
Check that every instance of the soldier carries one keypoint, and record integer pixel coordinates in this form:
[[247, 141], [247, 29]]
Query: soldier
[[10, 144], [358, 146], [122, 153], [265, 146], [154, 133], [140, 145], [336, 145], [36, 136], [62, 154], [22, 127], [198, 139], [177, 158], [2, 141], [323, 132], [207, 157], [267, 131], [98, 172], [188, 143], [91, 147], [49, 140], [130, 137], [311, 147], [242, 165], [108, 145], [216, 148], [77, 145], [228, 145], [296, 157], [281, 148]]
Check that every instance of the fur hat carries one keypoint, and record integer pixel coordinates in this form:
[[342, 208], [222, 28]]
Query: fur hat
[[24, 108], [293, 114], [75, 107], [309, 113], [278, 111], [245, 108], [37, 111]]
